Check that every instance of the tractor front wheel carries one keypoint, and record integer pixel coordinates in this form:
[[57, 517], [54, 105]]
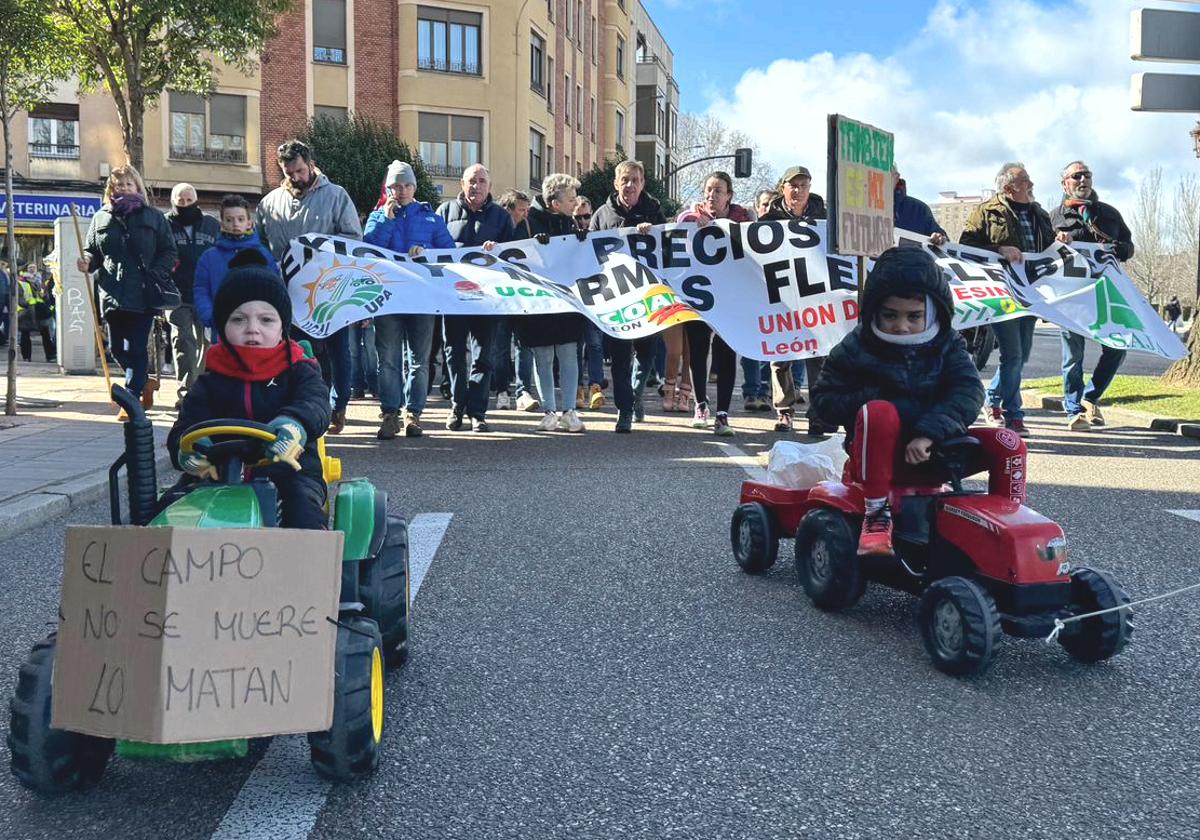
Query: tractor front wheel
[[960, 626], [1101, 636], [349, 749]]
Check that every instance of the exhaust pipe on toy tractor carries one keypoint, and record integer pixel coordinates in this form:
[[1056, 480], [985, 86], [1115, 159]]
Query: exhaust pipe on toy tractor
[[138, 460]]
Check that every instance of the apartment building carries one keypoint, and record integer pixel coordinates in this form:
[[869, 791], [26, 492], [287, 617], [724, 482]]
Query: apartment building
[[951, 210], [656, 102]]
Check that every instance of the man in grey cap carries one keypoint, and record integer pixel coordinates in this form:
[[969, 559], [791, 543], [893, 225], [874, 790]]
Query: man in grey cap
[[796, 201]]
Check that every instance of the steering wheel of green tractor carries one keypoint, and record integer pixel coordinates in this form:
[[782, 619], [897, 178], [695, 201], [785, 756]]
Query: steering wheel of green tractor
[[229, 438]]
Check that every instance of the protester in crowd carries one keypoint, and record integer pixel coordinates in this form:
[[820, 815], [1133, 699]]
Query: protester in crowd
[[406, 226], [255, 372], [237, 235], [912, 214], [582, 213], [364, 360], [755, 372], [593, 338], [474, 220], [554, 336], [194, 233], [1173, 312], [629, 205], [307, 202], [716, 204], [1085, 218], [795, 200], [131, 249], [1008, 223], [517, 204], [33, 314], [762, 202]]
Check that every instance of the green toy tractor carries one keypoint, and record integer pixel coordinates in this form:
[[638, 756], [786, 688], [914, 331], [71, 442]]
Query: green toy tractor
[[373, 610]]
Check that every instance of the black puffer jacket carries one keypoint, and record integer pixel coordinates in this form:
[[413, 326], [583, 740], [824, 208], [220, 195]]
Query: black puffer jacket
[[934, 386], [778, 210], [128, 253], [1099, 217], [612, 214], [189, 247], [298, 392], [471, 228], [559, 328]]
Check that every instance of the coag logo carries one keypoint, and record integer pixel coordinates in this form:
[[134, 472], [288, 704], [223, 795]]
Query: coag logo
[[658, 306], [341, 285]]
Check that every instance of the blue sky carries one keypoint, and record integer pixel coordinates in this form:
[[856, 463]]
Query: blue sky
[[964, 84]]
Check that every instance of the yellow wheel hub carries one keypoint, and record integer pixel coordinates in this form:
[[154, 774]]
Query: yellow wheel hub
[[377, 695]]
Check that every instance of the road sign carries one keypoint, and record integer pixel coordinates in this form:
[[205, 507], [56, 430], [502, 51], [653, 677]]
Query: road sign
[[1165, 92], [1164, 35]]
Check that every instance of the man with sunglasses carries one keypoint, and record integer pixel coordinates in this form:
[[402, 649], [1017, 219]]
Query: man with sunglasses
[[1087, 219]]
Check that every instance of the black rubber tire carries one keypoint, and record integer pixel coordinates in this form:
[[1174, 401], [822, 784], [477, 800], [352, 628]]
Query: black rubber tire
[[44, 759], [960, 626], [981, 341], [384, 590], [1103, 636], [827, 560], [349, 750], [755, 546]]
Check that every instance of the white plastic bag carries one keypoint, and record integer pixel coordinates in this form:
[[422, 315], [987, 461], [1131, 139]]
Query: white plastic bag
[[800, 466]]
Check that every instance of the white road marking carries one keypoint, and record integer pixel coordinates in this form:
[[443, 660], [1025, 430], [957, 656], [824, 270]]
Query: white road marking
[[747, 462], [283, 797], [1193, 515]]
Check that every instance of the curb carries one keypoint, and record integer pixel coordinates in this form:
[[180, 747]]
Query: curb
[[1131, 418], [57, 499]]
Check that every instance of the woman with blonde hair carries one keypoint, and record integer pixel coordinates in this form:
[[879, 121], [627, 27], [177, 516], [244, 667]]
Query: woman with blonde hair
[[131, 249]]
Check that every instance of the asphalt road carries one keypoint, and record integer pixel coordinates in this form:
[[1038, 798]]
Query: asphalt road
[[590, 663]]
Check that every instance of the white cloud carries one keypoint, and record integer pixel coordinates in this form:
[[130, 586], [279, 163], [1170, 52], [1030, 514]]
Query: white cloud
[[983, 83]]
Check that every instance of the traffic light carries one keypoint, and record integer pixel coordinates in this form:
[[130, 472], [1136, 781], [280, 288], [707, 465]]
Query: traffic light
[[1165, 35], [742, 163]]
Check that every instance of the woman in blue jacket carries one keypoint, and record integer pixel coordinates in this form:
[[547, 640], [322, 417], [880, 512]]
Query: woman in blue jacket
[[404, 225]]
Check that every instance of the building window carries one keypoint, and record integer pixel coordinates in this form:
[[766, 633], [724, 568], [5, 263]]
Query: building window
[[579, 24], [641, 52], [332, 112], [620, 139], [550, 84], [579, 107], [448, 144], [578, 170], [570, 19], [329, 31], [448, 41], [594, 39], [54, 132], [593, 119], [537, 157], [620, 57], [621, 3], [550, 10], [567, 100], [212, 129], [567, 164], [660, 118], [537, 62]]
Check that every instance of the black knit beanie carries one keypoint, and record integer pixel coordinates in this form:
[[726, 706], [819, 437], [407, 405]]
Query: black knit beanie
[[252, 283]]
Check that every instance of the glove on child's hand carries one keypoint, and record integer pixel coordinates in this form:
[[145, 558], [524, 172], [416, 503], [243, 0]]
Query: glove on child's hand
[[193, 463], [289, 442]]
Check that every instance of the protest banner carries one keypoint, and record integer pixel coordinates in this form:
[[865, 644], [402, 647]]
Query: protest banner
[[771, 290], [861, 197], [173, 635]]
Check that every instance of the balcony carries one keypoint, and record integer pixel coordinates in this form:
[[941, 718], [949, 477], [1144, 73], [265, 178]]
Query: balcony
[[209, 155], [55, 168], [441, 170], [329, 55], [51, 150], [442, 65]]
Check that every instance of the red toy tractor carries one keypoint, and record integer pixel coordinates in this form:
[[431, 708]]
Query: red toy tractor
[[980, 561]]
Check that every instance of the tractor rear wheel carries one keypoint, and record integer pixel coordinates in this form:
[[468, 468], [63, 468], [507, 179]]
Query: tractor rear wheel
[[1101, 636], [827, 560], [755, 546], [384, 590]]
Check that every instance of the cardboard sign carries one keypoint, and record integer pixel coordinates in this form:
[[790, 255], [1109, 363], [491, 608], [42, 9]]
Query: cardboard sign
[[861, 159], [170, 635]]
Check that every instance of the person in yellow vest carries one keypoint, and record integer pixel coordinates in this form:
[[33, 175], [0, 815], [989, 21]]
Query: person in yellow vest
[[33, 314]]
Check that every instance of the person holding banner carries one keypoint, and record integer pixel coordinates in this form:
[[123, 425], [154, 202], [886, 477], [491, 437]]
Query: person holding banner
[[629, 205], [1088, 219], [593, 339], [1008, 223], [795, 200], [912, 214], [717, 204]]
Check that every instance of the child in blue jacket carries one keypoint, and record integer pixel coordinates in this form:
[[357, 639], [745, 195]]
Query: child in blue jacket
[[237, 235]]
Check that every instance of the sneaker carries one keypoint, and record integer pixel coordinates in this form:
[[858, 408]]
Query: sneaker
[[700, 417], [876, 537], [721, 427], [783, 422], [445, 389], [454, 422], [595, 398], [580, 395], [624, 422], [478, 424], [527, 402], [390, 427], [1018, 426], [338, 422], [994, 416], [412, 425], [1078, 423], [570, 422], [503, 401], [1092, 412], [549, 423]]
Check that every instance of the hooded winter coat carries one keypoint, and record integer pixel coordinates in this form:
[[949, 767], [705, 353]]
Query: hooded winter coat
[[214, 265], [322, 208], [560, 327], [778, 210], [189, 247], [1094, 222], [470, 228], [129, 254], [612, 214], [934, 386], [414, 224]]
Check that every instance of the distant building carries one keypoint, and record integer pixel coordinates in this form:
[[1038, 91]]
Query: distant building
[[951, 210]]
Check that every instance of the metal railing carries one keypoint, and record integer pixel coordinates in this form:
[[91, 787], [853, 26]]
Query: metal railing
[[466, 68], [53, 150], [210, 155], [329, 55]]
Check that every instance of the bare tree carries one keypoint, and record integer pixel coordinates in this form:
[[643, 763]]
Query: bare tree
[[705, 135], [1150, 267], [1185, 236]]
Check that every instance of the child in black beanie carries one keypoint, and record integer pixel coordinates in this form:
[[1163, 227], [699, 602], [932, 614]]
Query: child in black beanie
[[257, 373]]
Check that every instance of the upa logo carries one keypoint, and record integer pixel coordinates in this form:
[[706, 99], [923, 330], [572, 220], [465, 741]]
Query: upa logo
[[658, 307], [341, 285]]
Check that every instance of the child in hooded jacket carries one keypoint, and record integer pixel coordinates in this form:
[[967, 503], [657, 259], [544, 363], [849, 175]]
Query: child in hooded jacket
[[237, 235], [902, 383], [257, 373]]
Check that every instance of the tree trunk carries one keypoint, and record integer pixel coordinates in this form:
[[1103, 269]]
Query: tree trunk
[[1186, 372], [10, 397], [135, 144]]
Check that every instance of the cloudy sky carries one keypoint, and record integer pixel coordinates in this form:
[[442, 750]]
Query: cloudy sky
[[963, 85]]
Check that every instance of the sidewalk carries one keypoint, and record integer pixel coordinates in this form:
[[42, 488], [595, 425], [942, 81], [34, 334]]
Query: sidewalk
[[54, 460]]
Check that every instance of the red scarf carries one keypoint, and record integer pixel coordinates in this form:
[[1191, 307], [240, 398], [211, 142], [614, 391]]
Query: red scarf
[[253, 364]]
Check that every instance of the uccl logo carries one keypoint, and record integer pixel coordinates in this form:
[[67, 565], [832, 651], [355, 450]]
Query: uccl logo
[[341, 285], [658, 306]]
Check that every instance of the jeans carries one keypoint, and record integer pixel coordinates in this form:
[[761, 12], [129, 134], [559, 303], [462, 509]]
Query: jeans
[[629, 378], [699, 336], [190, 343], [1015, 340], [130, 331], [593, 341], [403, 342], [502, 356], [755, 374], [364, 359], [338, 348], [469, 343], [568, 374], [1073, 346]]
